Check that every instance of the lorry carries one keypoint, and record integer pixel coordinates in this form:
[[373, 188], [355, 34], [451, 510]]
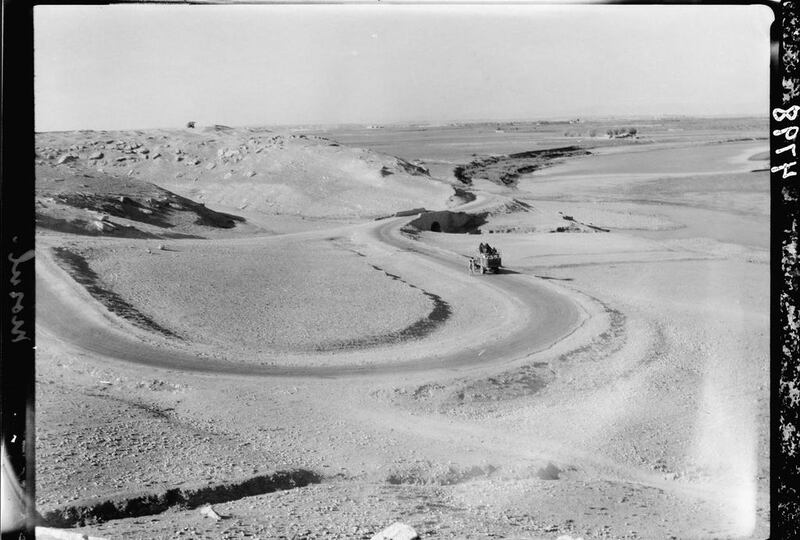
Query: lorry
[[485, 262]]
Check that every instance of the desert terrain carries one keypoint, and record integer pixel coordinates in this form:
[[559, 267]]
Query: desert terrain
[[279, 322]]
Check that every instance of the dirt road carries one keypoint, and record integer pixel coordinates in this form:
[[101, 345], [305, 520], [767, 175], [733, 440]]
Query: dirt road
[[63, 312]]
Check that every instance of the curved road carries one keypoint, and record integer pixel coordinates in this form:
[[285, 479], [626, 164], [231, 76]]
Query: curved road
[[554, 316]]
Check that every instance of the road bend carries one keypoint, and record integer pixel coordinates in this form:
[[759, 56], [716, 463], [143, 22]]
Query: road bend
[[63, 313]]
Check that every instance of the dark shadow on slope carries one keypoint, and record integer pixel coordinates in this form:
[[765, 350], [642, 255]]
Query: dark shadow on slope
[[158, 211], [90, 228], [103, 509], [77, 267], [449, 222], [505, 170]]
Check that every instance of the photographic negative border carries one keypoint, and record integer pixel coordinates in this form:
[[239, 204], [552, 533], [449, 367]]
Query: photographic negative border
[[785, 274], [17, 338]]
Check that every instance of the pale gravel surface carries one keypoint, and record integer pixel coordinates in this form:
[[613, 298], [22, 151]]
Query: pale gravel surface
[[680, 356], [271, 295], [133, 445], [652, 422], [529, 509]]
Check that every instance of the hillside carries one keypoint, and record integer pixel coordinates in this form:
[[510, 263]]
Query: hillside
[[253, 169]]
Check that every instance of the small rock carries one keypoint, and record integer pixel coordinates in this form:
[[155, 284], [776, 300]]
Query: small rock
[[397, 531], [550, 472], [66, 158], [250, 174], [96, 155], [208, 511], [102, 226]]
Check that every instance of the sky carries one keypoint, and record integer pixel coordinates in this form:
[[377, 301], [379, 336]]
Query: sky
[[148, 66]]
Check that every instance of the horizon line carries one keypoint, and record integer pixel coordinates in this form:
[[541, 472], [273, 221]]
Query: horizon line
[[554, 119]]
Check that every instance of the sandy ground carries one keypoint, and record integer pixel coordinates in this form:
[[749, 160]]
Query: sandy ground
[[604, 385]]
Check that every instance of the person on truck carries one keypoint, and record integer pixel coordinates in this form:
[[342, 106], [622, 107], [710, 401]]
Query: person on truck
[[482, 247]]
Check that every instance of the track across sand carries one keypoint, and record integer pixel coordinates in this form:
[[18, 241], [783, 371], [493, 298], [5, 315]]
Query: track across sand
[[63, 313]]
